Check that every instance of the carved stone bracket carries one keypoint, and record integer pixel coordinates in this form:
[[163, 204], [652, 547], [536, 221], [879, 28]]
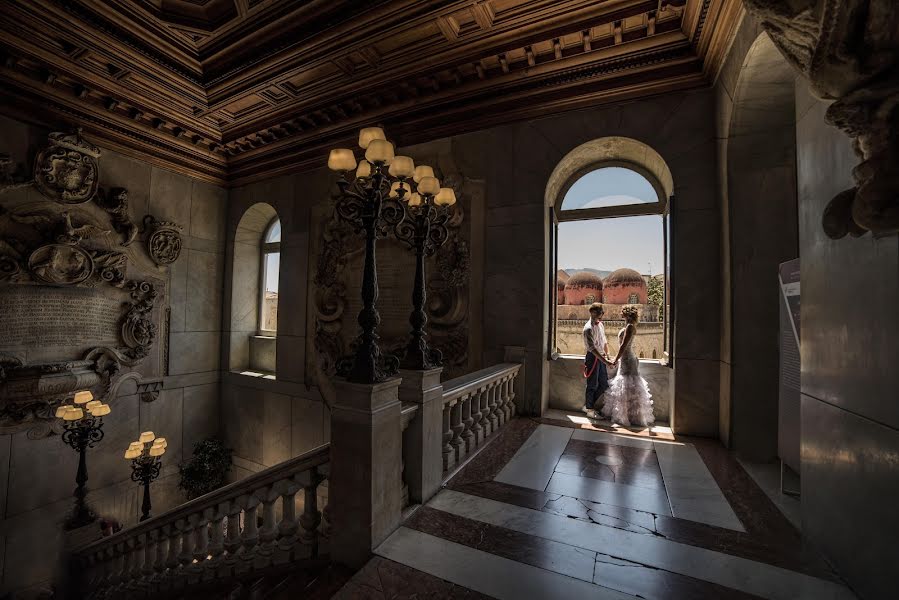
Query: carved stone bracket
[[849, 52]]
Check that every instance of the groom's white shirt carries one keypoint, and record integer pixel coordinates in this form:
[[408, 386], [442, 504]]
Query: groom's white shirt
[[594, 337]]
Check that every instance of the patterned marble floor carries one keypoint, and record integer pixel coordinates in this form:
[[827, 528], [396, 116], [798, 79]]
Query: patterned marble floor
[[561, 508]]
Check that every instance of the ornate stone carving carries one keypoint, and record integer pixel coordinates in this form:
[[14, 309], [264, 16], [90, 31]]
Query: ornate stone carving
[[61, 264], [115, 202], [163, 241], [67, 169], [849, 52], [138, 329]]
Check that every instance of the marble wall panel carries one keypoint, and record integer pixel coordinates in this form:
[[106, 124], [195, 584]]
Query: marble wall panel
[[201, 415], [204, 285], [243, 425], [695, 406], [276, 423], [207, 219], [170, 195], [120, 171], [194, 351], [850, 478], [308, 424]]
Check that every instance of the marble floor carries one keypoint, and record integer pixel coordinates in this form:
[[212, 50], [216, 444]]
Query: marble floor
[[560, 508]]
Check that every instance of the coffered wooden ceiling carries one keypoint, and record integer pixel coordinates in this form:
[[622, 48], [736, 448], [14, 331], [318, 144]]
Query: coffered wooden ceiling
[[236, 90]]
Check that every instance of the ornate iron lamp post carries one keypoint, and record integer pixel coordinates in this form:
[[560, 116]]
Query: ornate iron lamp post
[[145, 456], [83, 429], [364, 203], [424, 231]]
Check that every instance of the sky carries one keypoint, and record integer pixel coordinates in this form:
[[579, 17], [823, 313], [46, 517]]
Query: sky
[[273, 260], [609, 244]]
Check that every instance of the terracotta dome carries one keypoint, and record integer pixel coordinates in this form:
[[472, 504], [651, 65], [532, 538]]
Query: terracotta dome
[[625, 286], [583, 287], [561, 278]]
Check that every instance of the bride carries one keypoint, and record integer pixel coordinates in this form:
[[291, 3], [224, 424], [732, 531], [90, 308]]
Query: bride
[[628, 402]]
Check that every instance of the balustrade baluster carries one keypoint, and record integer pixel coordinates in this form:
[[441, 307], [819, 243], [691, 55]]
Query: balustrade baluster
[[162, 547], [201, 547], [493, 406], [174, 537], [249, 537], [311, 517], [468, 422], [232, 541], [476, 427], [216, 517], [185, 557], [287, 526], [510, 395], [447, 435], [457, 427], [501, 408], [139, 552], [149, 556], [269, 532]]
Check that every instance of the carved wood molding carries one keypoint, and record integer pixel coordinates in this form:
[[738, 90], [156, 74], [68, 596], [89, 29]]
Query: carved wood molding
[[219, 94]]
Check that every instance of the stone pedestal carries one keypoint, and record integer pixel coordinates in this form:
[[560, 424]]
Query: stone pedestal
[[365, 484], [423, 439], [518, 354]]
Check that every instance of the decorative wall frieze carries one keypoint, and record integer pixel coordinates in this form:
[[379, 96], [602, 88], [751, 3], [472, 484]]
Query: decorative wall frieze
[[848, 51]]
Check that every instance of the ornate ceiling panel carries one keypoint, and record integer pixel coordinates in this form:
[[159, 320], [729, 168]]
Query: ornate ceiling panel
[[236, 90]]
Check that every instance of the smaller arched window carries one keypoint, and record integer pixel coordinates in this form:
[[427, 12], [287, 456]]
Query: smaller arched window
[[271, 268]]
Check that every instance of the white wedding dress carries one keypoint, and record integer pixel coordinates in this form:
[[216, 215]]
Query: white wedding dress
[[628, 402]]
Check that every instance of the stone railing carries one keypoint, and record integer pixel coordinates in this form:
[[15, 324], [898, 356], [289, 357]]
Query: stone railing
[[474, 407], [408, 412], [246, 526]]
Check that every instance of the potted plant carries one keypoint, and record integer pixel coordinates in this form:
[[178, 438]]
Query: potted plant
[[207, 470]]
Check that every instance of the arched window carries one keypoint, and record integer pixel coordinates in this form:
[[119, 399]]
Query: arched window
[[610, 201], [271, 267]]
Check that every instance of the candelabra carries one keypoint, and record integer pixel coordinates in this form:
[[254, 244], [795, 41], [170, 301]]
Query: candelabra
[[363, 202], [83, 429], [424, 231], [145, 456]]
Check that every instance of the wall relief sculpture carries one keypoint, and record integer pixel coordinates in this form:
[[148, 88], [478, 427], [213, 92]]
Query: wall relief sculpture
[[80, 307], [67, 169], [336, 281], [849, 52]]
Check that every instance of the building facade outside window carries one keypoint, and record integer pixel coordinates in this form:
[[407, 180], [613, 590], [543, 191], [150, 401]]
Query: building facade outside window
[[271, 266], [610, 234]]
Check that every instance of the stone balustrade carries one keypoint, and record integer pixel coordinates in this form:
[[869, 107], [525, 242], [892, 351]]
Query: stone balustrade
[[475, 406], [267, 519]]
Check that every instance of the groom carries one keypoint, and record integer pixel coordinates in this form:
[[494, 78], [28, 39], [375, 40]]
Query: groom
[[597, 349]]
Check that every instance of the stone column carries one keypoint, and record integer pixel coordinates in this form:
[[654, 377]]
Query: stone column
[[365, 481], [423, 439]]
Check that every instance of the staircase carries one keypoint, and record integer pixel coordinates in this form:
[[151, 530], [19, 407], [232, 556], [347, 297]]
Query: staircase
[[244, 540]]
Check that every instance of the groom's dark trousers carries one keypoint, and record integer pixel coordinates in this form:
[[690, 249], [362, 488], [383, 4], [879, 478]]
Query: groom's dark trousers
[[597, 379]]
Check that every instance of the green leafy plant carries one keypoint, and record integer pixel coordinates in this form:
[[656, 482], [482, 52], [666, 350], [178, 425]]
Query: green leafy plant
[[207, 469], [656, 294]]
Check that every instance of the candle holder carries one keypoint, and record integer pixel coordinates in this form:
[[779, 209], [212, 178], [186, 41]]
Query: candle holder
[[363, 202], [145, 456], [424, 231], [83, 422]]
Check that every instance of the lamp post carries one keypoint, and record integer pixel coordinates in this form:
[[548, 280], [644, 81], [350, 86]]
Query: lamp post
[[145, 456], [364, 203], [83, 429], [424, 231]]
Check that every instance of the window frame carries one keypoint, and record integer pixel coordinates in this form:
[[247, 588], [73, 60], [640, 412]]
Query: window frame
[[662, 208], [265, 249]]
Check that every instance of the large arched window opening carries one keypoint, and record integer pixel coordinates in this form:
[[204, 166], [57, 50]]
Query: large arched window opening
[[610, 238], [271, 267]]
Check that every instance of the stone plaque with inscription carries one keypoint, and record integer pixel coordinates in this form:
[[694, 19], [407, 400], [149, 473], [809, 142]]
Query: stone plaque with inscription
[[81, 307]]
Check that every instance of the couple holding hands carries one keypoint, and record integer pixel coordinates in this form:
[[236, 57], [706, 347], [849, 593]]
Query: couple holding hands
[[626, 398]]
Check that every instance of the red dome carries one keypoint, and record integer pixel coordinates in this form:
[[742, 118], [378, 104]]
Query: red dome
[[625, 286], [583, 287]]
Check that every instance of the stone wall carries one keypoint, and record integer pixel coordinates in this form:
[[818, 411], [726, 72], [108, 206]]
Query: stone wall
[[757, 182], [566, 391], [518, 160], [849, 414], [648, 343], [37, 476]]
